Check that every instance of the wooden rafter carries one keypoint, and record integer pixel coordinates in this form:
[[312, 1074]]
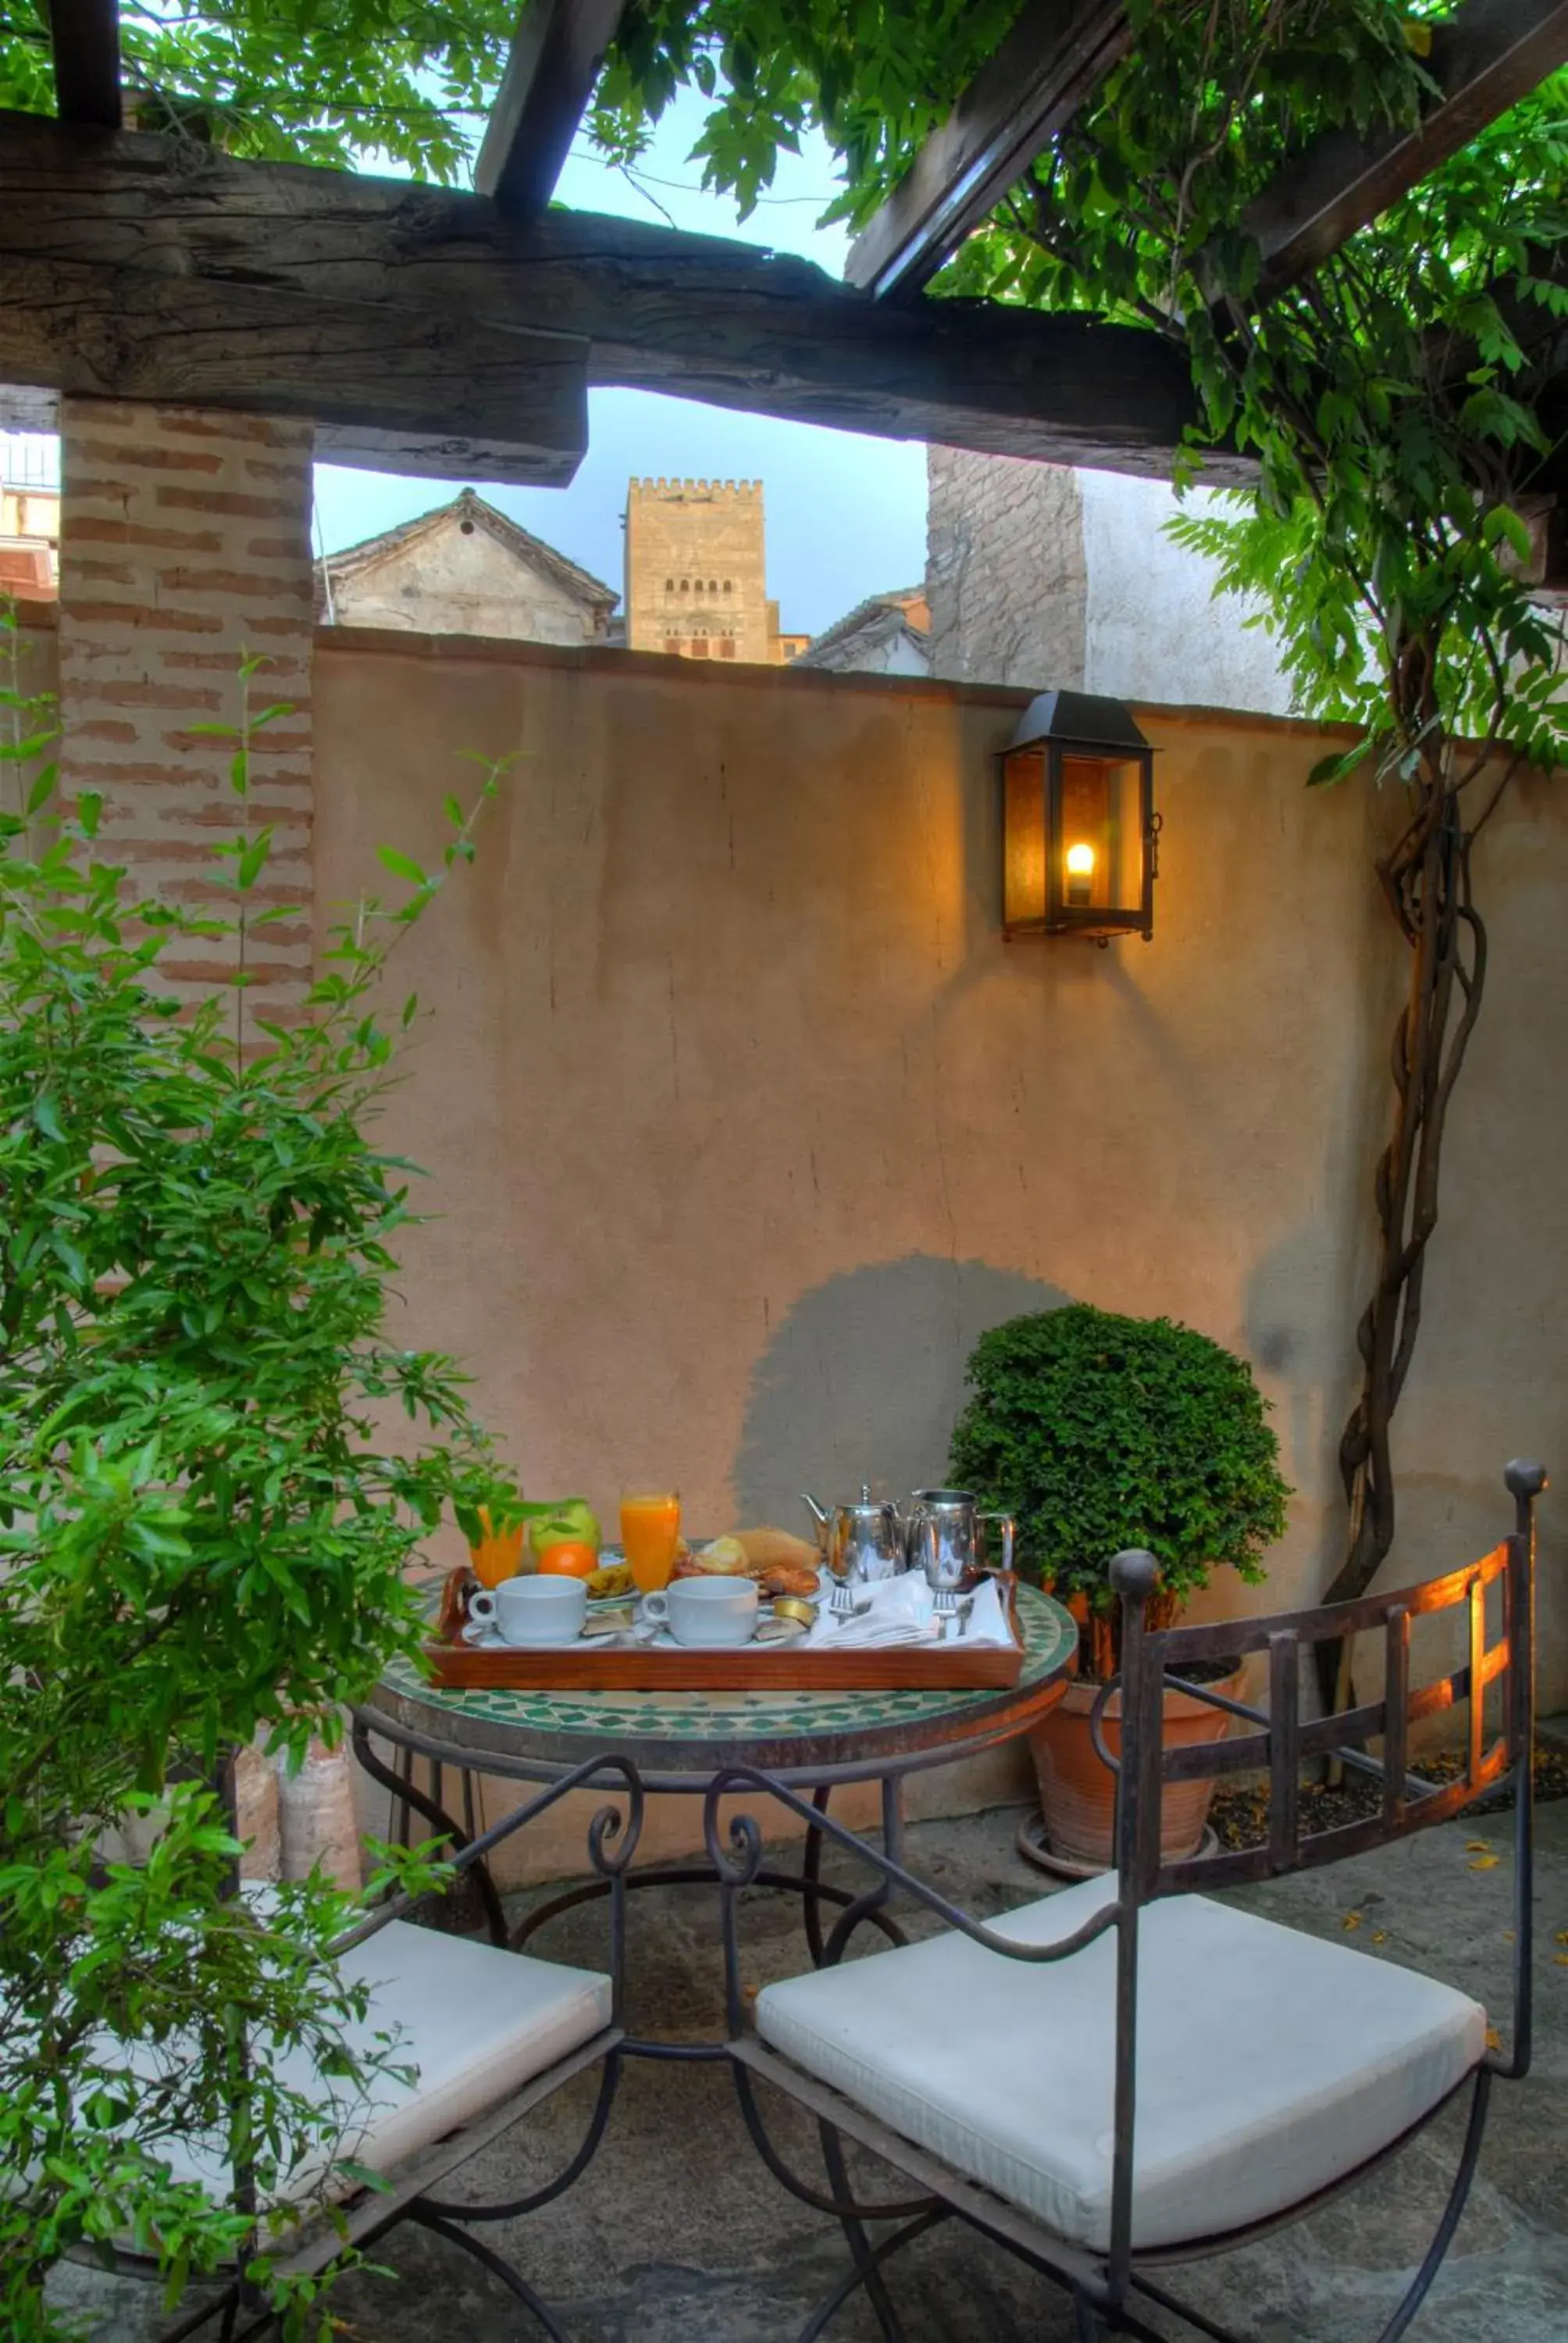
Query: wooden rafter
[[1485, 58], [556, 52], [85, 35], [144, 267], [1053, 58]]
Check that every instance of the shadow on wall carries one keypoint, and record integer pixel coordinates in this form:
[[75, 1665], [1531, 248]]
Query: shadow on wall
[[864, 1379]]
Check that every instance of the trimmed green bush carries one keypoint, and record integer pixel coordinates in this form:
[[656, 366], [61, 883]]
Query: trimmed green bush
[[1098, 1432]]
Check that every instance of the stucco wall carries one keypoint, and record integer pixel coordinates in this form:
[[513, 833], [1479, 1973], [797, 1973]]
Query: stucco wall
[[1005, 576], [1154, 627], [1042, 576], [744, 1122]]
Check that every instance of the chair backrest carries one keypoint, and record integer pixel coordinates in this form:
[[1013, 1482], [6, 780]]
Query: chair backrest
[[1499, 1653]]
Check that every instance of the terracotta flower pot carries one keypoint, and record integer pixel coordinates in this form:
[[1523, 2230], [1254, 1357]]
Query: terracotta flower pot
[[1077, 1791]]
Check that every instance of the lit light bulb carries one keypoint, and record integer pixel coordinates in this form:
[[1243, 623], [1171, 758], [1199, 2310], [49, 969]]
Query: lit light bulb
[[1080, 875]]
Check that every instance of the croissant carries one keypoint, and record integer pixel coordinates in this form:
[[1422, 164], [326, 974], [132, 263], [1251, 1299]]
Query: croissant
[[785, 1578]]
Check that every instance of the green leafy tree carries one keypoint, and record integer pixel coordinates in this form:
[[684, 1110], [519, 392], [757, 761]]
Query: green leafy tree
[[1392, 403], [205, 1510], [308, 81]]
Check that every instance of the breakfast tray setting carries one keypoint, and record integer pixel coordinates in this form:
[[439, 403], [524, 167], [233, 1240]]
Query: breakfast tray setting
[[612, 1657]]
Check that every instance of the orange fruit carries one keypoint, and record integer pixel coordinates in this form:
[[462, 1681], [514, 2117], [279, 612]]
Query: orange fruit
[[570, 1559]]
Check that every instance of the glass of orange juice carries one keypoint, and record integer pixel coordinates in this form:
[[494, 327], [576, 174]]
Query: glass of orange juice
[[499, 1553], [650, 1533]]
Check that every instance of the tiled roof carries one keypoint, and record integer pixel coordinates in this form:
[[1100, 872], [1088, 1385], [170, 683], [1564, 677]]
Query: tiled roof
[[869, 623]]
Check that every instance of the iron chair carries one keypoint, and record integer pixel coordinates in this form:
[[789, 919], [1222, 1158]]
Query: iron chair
[[1277, 2068], [489, 2035]]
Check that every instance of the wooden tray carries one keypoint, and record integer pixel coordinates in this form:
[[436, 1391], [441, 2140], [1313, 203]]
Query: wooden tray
[[754, 1667]]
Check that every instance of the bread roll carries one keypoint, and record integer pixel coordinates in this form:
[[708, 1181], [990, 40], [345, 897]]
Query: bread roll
[[765, 1547]]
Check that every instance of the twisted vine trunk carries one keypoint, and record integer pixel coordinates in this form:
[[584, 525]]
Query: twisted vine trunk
[[1427, 882]]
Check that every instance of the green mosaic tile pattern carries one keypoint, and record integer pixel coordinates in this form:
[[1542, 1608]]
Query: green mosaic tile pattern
[[1049, 1634]]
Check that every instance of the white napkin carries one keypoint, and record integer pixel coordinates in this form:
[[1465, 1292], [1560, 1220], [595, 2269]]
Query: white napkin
[[893, 1610]]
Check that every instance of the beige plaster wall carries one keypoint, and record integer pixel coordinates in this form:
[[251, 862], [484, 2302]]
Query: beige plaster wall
[[745, 1123], [744, 1120]]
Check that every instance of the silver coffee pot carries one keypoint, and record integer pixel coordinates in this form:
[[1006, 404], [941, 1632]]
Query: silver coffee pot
[[862, 1540], [946, 1539]]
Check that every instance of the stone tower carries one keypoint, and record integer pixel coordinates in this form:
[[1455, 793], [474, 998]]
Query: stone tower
[[696, 571]]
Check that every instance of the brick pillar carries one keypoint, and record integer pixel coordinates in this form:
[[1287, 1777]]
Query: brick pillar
[[186, 546]]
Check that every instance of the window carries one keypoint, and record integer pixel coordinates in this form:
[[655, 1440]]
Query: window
[[713, 585], [686, 584], [726, 647], [726, 585], [700, 647], [670, 585]]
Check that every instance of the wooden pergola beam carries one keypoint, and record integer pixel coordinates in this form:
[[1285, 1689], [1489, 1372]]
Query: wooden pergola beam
[[1053, 58], [144, 267], [1485, 58], [85, 35], [393, 389], [556, 55]]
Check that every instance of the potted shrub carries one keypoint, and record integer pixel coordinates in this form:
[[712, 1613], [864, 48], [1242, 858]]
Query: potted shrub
[[1096, 1433]]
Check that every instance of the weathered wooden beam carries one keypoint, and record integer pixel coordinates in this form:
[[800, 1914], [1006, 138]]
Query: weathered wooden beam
[[25, 409], [391, 275], [556, 55], [1485, 58], [1052, 59], [397, 391], [86, 38]]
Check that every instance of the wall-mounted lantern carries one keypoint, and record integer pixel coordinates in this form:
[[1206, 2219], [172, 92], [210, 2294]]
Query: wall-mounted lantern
[[1079, 832]]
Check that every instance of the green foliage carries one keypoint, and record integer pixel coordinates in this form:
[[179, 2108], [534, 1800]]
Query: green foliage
[[331, 82], [875, 75], [206, 1505], [1390, 401], [1099, 1433]]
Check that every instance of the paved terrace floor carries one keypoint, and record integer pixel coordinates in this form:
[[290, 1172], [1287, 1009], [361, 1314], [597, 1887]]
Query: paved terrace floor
[[679, 2236]]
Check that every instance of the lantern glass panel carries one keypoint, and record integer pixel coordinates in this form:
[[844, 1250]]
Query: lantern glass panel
[[1024, 836], [1101, 835]]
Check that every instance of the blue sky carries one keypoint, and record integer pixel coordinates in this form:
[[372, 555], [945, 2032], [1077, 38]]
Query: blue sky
[[845, 515]]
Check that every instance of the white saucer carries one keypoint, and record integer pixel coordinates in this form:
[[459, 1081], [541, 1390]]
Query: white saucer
[[543, 1643]]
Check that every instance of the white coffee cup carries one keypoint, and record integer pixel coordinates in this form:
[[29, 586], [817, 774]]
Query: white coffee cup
[[712, 1614], [532, 1609]]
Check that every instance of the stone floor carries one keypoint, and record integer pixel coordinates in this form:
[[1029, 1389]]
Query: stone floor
[[679, 2236]]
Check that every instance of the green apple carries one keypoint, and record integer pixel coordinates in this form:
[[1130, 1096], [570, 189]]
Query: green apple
[[571, 1522]]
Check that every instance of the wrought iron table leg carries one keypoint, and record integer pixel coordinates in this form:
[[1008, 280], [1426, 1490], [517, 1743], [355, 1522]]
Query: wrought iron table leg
[[411, 1799], [858, 2277], [495, 2263]]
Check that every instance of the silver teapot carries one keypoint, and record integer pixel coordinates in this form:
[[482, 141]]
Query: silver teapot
[[946, 1539], [861, 1541]]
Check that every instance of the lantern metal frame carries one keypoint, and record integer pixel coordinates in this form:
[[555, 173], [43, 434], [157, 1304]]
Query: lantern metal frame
[[1059, 726]]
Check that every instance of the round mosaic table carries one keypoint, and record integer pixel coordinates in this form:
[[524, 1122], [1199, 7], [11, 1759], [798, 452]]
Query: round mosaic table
[[681, 1741]]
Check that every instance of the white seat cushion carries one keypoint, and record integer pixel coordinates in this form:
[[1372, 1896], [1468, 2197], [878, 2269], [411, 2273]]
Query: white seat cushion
[[476, 2022], [1269, 2063]]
